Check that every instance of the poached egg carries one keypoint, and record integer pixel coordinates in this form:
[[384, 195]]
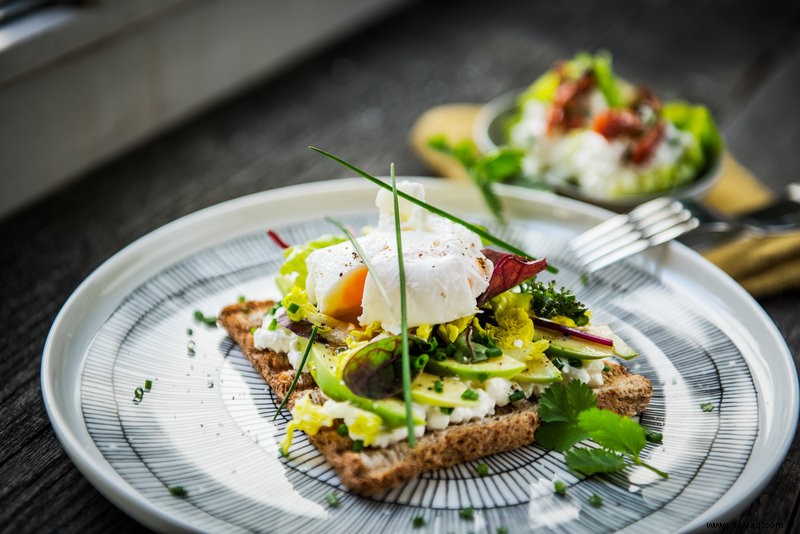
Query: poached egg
[[445, 269]]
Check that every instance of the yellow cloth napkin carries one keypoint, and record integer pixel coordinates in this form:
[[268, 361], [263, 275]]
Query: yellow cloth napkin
[[764, 266]]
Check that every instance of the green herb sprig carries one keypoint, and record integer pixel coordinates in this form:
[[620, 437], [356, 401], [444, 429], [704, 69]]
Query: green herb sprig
[[570, 414], [289, 391], [406, 358], [433, 209], [549, 302]]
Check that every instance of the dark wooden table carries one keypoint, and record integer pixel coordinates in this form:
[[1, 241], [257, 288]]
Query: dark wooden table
[[359, 99]]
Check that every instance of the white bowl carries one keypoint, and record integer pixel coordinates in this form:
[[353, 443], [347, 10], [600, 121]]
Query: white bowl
[[488, 133]]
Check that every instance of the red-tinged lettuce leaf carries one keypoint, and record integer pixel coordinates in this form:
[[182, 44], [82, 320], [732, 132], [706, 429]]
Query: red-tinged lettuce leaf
[[509, 270]]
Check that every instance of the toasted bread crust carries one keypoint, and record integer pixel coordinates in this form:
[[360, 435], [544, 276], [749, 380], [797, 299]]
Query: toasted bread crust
[[378, 469]]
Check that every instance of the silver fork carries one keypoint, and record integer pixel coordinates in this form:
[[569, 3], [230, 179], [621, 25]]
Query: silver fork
[[621, 236], [665, 219]]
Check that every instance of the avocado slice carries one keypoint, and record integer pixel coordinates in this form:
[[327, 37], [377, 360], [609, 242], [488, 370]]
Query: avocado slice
[[424, 391], [566, 346], [502, 367], [322, 365], [539, 370]]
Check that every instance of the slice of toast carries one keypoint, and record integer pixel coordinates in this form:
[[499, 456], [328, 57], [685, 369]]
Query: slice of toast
[[375, 469]]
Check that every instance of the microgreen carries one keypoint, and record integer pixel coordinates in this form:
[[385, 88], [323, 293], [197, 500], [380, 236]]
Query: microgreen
[[406, 358], [306, 352], [433, 209], [363, 256]]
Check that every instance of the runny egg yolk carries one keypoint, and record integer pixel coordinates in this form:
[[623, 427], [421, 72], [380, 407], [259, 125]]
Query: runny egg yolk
[[343, 300]]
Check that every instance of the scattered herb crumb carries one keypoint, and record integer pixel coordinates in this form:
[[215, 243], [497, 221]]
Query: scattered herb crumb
[[606, 368], [418, 521], [241, 298], [189, 332], [585, 279], [517, 395], [501, 530], [482, 469], [707, 407], [560, 487], [332, 500], [253, 330], [138, 394], [652, 436], [467, 513], [208, 320], [438, 386], [358, 445], [178, 491], [595, 500], [148, 384], [470, 394], [342, 430]]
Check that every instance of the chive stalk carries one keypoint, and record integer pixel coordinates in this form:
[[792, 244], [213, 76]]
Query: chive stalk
[[433, 209], [311, 339], [406, 359]]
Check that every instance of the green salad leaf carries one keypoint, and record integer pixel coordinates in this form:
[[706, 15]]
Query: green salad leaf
[[293, 271]]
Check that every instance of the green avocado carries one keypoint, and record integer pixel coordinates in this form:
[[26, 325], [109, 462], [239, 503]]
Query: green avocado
[[539, 370], [566, 346], [502, 367], [322, 365], [449, 392]]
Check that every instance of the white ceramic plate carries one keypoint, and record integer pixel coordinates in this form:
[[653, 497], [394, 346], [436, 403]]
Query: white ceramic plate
[[206, 425]]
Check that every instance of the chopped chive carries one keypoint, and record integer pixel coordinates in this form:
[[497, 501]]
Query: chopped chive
[[342, 430], [189, 332], [516, 395], [501, 530], [273, 324], [198, 315], [595, 500], [438, 386], [253, 330], [358, 445], [367, 263], [433, 209], [445, 410], [178, 491], [406, 358], [606, 368], [241, 298], [148, 384], [332, 500], [138, 393], [209, 320], [585, 279], [282, 452], [560, 487], [652, 436], [470, 394], [288, 394], [483, 377], [707, 407], [418, 521], [482, 469], [467, 513], [293, 307], [558, 363], [575, 362]]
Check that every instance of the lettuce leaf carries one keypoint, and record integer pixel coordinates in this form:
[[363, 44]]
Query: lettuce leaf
[[293, 272]]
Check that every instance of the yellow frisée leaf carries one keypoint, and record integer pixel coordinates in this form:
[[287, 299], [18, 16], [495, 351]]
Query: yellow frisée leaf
[[563, 320], [510, 299], [514, 329], [357, 337], [424, 331], [306, 416], [450, 331], [297, 296]]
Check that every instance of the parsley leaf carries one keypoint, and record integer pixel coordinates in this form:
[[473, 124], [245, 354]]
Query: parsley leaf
[[591, 461], [613, 431], [563, 403], [559, 436]]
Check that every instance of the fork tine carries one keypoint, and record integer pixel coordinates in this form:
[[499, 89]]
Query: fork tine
[[651, 224], [616, 221]]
